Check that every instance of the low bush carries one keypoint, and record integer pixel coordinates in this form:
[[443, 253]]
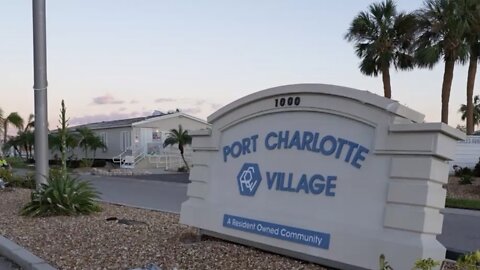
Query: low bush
[[469, 261], [99, 163], [466, 180], [73, 163], [182, 169], [461, 171], [62, 196], [12, 180], [16, 162], [476, 169]]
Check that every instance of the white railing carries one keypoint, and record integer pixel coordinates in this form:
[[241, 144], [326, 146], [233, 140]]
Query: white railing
[[129, 158], [169, 160]]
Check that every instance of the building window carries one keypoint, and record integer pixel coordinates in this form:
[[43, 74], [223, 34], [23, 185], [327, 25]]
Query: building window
[[157, 135], [126, 142], [103, 138]]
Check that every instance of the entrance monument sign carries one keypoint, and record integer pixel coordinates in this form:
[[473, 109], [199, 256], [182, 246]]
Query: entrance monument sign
[[323, 173]]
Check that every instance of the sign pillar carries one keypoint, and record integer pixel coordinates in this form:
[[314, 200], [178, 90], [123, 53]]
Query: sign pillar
[[323, 173]]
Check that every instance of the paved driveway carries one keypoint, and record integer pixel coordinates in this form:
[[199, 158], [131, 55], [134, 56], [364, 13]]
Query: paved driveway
[[461, 231]]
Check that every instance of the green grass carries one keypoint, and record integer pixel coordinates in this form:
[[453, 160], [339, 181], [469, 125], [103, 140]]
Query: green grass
[[463, 203]]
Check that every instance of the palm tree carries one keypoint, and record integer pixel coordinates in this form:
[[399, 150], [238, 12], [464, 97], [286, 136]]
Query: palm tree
[[181, 138], [13, 118], [86, 135], [383, 37], [471, 12], [442, 31], [476, 111], [96, 143]]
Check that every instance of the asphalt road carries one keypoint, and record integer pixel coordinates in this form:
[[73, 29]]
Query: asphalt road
[[460, 234], [150, 193]]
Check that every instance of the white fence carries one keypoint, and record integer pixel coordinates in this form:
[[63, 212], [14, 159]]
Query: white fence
[[467, 152]]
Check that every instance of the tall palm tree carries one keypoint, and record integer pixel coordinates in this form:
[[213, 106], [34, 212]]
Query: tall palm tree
[[476, 111], [181, 138], [470, 10], [13, 118], [382, 38], [442, 31]]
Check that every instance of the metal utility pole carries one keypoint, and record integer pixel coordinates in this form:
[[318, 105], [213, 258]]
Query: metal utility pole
[[40, 90]]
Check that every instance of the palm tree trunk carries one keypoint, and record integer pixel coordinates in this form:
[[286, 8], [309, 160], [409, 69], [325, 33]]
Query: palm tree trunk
[[387, 88], [446, 87], [472, 72], [184, 161]]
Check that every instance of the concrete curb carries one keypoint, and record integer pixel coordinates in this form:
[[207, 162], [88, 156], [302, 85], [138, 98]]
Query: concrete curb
[[459, 211], [21, 256]]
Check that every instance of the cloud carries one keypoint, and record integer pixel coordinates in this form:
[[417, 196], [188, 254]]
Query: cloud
[[106, 99], [200, 102], [74, 121], [161, 100], [215, 106], [133, 101], [122, 109], [194, 110]]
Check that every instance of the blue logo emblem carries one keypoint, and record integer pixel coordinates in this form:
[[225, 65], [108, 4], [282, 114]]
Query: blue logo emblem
[[249, 179]]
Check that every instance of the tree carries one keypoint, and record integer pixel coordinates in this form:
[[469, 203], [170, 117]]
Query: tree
[[96, 143], [442, 31], [470, 10], [476, 111], [383, 37], [181, 138], [13, 118], [86, 135]]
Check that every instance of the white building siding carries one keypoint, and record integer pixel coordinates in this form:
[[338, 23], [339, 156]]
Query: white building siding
[[467, 152]]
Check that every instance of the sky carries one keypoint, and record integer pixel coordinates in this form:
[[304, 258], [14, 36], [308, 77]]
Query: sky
[[112, 59]]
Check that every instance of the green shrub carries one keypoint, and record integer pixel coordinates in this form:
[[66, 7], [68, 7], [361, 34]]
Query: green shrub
[[182, 169], [461, 171], [6, 174], [16, 162], [466, 180], [476, 169], [426, 264], [469, 261], [62, 196], [22, 182], [86, 163]]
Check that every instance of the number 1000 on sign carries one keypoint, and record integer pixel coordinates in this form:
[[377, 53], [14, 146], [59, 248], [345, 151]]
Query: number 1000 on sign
[[290, 101]]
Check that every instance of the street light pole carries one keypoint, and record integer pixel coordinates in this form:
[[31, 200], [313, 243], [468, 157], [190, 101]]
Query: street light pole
[[40, 90]]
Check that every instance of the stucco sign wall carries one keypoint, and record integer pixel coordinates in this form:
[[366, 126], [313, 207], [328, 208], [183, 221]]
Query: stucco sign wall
[[324, 173]]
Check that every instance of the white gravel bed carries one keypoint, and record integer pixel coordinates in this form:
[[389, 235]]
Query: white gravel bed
[[91, 242]]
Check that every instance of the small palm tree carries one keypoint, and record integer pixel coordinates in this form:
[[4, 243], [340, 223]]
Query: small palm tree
[[95, 143], [383, 37], [85, 135], [442, 36], [13, 118], [476, 111], [181, 138]]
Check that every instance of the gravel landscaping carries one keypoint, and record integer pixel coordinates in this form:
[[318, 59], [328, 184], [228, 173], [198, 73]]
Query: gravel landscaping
[[454, 190], [140, 237], [91, 242]]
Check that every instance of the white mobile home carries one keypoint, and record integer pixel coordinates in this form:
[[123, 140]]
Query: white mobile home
[[139, 141]]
